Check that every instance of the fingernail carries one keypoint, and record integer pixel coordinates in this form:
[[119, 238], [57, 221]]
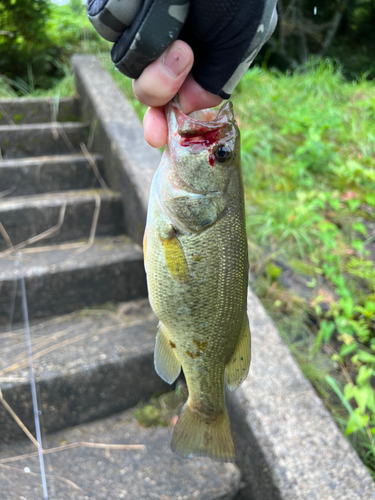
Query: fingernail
[[176, 60]]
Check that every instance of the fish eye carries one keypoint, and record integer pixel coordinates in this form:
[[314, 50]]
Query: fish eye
[[222, 153]]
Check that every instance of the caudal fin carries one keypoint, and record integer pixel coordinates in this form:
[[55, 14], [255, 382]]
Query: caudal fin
[[195, 435]]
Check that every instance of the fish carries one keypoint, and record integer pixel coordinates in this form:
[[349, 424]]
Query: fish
[[196, 261]]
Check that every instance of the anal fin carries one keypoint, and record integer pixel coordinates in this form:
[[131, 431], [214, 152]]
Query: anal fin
[[238, 366], [167, 365]]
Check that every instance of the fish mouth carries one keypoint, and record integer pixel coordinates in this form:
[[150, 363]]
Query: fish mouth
[[198, 122]]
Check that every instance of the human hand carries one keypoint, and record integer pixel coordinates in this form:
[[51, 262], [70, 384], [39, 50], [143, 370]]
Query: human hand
[[161, 81], [217, 43]]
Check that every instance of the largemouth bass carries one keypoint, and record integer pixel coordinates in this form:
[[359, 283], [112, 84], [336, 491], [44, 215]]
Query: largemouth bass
[[197, 273]]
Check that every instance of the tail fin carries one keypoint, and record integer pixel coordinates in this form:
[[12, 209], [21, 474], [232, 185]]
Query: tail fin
[[196, 435]]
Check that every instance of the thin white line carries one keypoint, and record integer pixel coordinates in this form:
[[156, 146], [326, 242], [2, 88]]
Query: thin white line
[[32, 378]]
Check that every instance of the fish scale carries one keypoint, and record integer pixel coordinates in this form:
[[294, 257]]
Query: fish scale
[[197, 274]]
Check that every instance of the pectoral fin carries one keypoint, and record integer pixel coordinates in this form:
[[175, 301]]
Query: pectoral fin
[[239, 364], [167, 365], [175, 258]]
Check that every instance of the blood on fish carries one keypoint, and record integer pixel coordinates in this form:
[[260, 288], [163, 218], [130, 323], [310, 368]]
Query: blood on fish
[[211, 159], [205, 139]]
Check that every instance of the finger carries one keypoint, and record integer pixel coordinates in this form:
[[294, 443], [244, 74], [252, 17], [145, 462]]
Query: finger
[[155, 127], [161, 80], [193, 97]]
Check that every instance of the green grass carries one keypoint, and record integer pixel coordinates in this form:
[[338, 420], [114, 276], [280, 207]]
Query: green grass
[[308, 146]]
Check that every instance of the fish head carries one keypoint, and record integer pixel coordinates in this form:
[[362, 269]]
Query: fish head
[[204, 148]]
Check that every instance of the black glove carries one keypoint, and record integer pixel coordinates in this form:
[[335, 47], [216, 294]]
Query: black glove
[[225, 35]]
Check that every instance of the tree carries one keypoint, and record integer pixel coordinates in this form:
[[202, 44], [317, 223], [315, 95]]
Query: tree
[[323, 28]]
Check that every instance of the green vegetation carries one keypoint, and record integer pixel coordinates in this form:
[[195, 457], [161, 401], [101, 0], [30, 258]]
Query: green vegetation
[[25, 49], [37, 38], [308, 145], [161, 409], [341, 30]]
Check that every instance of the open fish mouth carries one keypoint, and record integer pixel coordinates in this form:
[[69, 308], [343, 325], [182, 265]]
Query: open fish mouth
[[202, 121]]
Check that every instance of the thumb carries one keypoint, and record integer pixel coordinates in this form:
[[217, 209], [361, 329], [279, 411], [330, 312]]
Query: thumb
[[161, 80]]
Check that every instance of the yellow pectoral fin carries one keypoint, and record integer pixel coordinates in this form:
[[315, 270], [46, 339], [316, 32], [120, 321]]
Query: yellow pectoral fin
[[167, 365], [238, 366], [175, 258]]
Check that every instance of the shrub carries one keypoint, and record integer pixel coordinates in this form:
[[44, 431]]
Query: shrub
[[26, 52], [37, 37]]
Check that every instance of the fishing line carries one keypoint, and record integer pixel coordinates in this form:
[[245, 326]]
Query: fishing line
[[32, 377], [12, 304]]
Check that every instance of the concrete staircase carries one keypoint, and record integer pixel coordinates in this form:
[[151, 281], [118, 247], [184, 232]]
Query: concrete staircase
[[54, 209], [92, 330]]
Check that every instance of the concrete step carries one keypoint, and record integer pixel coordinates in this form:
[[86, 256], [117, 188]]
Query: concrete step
[[25, 217], [88, 365], [26, 176], [68, 277], [24, 110], [20, 141], [79, 465]]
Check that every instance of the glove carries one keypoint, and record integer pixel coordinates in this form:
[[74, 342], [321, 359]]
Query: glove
[[225, 35]]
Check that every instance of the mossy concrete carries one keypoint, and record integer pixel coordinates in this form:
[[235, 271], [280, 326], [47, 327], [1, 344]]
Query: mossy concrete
[[87, 365], [40, 110], [28, 176], [66, 278], [25, 217], [21, 141]]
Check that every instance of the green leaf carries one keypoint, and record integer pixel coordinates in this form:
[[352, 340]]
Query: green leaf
[[364, 374], [361, 396], [325, 333], [357, 245], [366, 357], [371, 400], [349, 391], [328, 270], [358, 226], [361, 328], [370, 306], [343, 325], [353, 204], [356, 422], [347, 305], [335, 204], [370, 199], [334, 386], [347, 349]]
